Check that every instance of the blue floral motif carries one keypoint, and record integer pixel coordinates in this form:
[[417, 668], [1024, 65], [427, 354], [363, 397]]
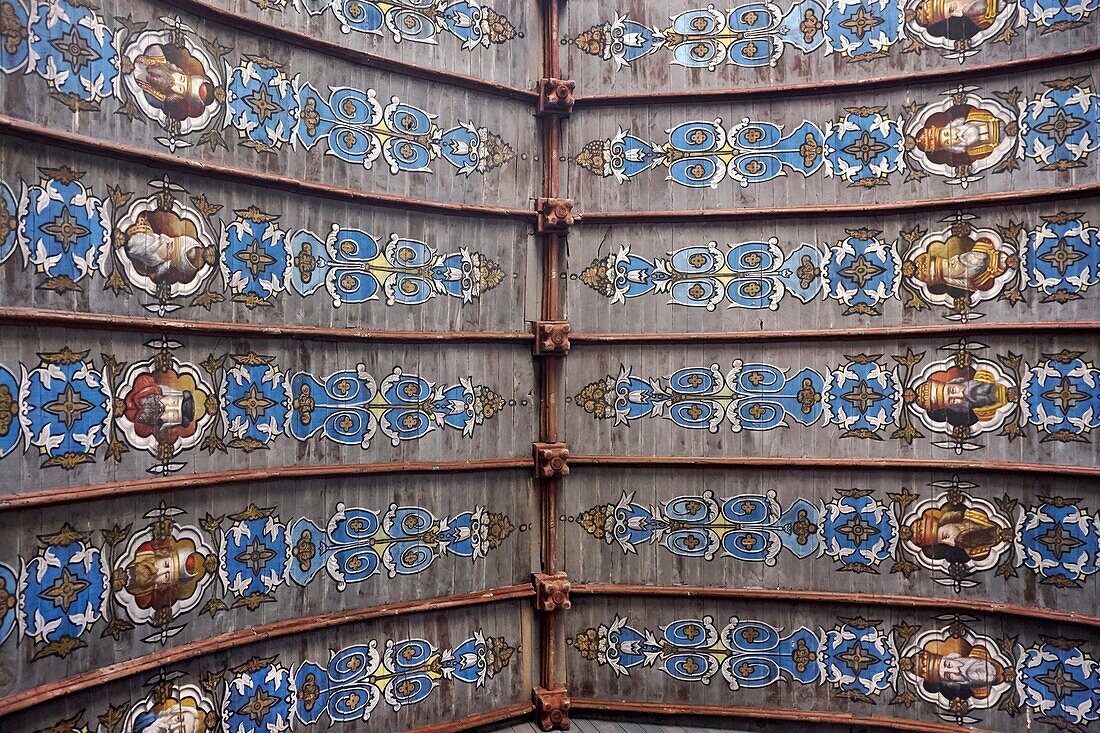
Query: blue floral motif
[[262, 103], [1061, 127], [861, 271], [9, 220], [8, 596], [15, 49], [858, 531], [863, 30], [254, 260], [254, 555], [357, 129], [355, 269], [72, 48], [750, 397], [1058, 14], [858, 658], [1063, 396], [1060, 541], [357, 678], [259, 701], [338, 408], [10, 432], [863, 397], [62, 588], [255, 396], [1063, 257], [65, 405], [63, 231], [1061, 682], [864, 147]]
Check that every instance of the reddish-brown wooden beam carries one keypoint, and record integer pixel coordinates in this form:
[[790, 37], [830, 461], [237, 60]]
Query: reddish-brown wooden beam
[[286, 36], [965, 75], [577, 704], [192, 482], [39, 134], [946, 329], [815, 463], [251, 635], [489, 717], [849, 211], [107, 322], [808, 596]]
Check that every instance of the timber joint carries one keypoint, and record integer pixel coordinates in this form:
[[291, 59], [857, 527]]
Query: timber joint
[[551, 460], [555, 215], [552, 592], [556, 97], [551, 338], [551, 708]]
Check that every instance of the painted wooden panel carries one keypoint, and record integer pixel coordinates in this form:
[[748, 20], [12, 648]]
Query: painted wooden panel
[[1026, 263], [101, 582], [1029, 399], [495, 40], [91, 234], [142, 74], [618, 46], [82, 408], [999, 133], [992, 673], [389, 674], [1021, 540]]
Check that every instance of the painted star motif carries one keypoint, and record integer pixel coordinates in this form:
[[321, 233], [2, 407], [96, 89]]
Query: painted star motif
[[65, 590], [69, 407], [866, 148], [258, 705], [861, 23], [66, 229], [1061, 126], [1060, 683], [254, 402], [261, 103], [862, 397], [256, 556], [1062, 257], [254, 258], [75, 50], [862, 270], [1065, 396]]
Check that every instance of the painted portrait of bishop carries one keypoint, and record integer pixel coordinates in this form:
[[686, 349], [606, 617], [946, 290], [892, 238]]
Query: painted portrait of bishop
[[960, 135]]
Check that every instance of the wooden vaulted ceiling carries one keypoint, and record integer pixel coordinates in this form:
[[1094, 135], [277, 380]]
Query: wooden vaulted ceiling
[[439, 364]]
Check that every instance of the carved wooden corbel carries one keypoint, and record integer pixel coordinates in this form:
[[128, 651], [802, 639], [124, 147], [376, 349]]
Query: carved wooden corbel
[[551, 708], [551, 460]]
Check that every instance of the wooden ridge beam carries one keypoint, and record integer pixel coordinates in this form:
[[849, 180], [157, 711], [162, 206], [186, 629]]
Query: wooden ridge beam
[[958, 74], [816, 211], [589, 704], [146, 156], [271, 31], [807, 596], [805, 463], [15, 316], [250, 635], [946, 329], [72, 494]]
